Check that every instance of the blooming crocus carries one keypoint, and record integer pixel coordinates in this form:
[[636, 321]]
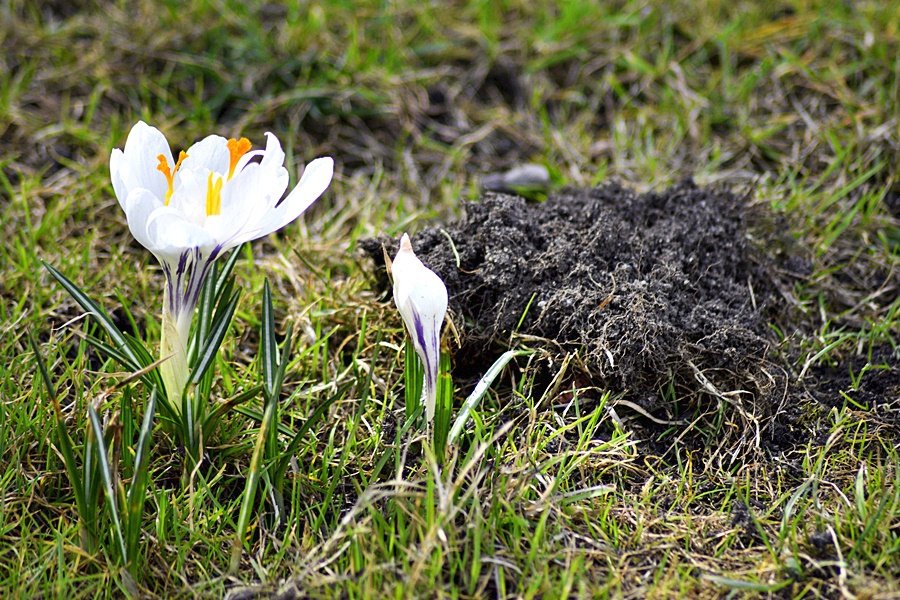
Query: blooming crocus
[[217, 195], [421, 298]]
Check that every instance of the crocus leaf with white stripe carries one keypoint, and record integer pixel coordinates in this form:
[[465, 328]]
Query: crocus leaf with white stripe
[[217, 195], [421, 298]]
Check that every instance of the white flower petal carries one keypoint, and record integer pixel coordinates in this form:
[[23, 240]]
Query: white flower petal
[[240, 197], [170, 234], [255, 190], [314, 181], [246, 158], [429, 296], [189, 197], [116, 164], [251, 200], [274, 155], [139, 205], [209, 153], [140, 159], [246, 191]]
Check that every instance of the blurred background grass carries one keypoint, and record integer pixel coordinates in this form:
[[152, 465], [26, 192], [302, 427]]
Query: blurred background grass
[[795, 103]]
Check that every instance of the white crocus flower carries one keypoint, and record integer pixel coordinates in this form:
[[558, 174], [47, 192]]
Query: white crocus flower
[[421, 298], [217, 195]]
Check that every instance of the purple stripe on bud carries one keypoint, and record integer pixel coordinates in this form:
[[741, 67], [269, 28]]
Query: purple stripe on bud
[[423, 343]]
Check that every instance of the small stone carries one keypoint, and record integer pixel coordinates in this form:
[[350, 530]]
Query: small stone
[[529, 176]]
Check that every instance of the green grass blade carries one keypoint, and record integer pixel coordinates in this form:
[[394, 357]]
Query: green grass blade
[[220, 327], [268, 345], [749, 586], [109, 352], [413, 375], [283, 362], [205, 311], [123, 304], [443, 408], [251, 484], [152, 378], [126, 418], [480, 389], [137, 490], [315, 417], [386, 454], [223, 407], [66, 447], [108, 488], [223, 276], [42, 368], [272, 444], [98, 314]]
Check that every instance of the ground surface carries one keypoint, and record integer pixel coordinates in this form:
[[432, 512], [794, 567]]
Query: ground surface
[[582, 478]]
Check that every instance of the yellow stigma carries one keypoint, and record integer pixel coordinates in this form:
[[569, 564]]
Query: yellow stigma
[[237, 148], [213, 195], [163, 167]]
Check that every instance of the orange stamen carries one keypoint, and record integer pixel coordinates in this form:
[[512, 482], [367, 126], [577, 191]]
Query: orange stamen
[[163, 167], [237, 148], [213, 195], [181, 156]]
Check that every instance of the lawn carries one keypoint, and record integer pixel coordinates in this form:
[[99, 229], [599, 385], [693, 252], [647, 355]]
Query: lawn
[[564, 483]]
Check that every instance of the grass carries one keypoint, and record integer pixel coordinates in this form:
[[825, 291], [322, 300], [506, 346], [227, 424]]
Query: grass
[[559, 495]]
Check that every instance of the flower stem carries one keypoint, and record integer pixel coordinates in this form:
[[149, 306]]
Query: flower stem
[[176, 327], [429, 393]]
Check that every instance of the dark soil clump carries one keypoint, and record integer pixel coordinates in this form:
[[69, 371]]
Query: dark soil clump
[[652, 289]]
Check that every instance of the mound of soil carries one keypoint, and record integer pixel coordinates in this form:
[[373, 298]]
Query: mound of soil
[[651, 288]]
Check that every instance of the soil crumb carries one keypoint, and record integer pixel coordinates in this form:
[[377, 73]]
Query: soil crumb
[[653, 289]]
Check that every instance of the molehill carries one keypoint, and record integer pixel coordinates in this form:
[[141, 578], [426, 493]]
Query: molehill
[[652, 290]]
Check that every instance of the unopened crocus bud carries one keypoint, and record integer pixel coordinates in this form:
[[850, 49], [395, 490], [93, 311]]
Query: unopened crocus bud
[[421, 298]]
